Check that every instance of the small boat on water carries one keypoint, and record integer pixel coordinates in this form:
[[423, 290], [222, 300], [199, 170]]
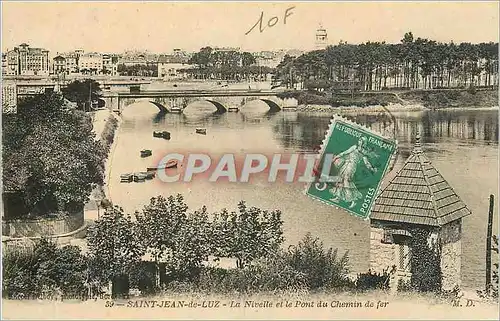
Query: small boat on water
[[146, 175], [170, 164], [140, 177], [146, 153], [150, 174], [202, 131], [163, 134], [126, 178]]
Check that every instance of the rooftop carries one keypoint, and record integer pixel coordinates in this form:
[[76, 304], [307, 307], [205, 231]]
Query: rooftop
[[418, 194]]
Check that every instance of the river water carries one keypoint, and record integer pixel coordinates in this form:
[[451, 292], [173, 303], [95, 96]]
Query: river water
[[462, 145]]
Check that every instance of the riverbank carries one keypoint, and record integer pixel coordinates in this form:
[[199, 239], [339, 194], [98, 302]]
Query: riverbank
[[416, 100], [438, 98], [357, 110], [105, 126]]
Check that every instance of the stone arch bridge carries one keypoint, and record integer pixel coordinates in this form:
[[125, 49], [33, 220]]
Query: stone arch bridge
[[177, 101]]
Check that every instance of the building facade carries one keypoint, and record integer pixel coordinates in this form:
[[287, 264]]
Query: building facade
[[71, 63], [417, 212], [110, 64], [4, 63], [268, 59], [90, 63], [9, 98], [24, 60], [65, 63], [59, 64], [170, 66]]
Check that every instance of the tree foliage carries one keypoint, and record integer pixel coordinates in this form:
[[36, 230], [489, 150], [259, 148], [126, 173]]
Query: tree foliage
[[174, 236], [50, 155], [47, 270], [142, 70], [114, 243], [321, 267], [412, 63], [181, 241], [82, 92], [248, 234], [225, 65], [425, 262]]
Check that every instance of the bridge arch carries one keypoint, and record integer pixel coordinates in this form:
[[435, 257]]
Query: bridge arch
[[220, 107], [272, 105], [162, 108]]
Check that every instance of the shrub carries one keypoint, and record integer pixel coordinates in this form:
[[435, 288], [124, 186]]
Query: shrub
[[47, 269], [321, 268], [143, 277], [265, 275], [472, 90], [372, 281], [404, 286], [108, 133], [19, 275]]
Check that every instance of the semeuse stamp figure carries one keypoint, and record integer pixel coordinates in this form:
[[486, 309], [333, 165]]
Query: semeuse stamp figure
[[353, 161]]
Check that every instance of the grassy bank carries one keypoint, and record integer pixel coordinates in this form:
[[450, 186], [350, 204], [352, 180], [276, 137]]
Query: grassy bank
[[428, 98], [341, 100], [107, 140], [452, 98], [106, 137]]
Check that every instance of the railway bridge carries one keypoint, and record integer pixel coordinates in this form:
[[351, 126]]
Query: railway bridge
[[169, 101]]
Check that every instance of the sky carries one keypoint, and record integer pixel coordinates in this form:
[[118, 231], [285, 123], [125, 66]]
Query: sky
[[160, 26]]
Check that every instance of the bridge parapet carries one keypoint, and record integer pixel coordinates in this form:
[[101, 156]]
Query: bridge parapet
[[168, 100]]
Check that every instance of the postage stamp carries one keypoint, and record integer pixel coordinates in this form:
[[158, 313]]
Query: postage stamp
[[352, 163]]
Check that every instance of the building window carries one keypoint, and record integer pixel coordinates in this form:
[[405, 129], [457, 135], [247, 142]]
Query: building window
[[403, 252]]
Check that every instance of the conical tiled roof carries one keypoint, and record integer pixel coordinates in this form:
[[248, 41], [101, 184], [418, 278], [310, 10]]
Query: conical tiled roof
[[418, 194]]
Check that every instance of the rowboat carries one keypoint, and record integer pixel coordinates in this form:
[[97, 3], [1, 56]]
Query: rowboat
[[150, 174], [163, 134], [202, 131], [126, 178], [147, 175], [146, 153], [140, 177], [170, 164]]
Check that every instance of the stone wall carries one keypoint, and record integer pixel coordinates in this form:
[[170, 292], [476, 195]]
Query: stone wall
[[382, 256], [44, 226], [26, 244], [451, 254]]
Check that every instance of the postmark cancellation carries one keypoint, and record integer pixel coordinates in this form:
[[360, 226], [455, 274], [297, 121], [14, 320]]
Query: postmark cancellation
[[352, 163]]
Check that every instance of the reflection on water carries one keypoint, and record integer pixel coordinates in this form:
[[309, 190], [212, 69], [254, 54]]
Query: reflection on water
[[463, 146]]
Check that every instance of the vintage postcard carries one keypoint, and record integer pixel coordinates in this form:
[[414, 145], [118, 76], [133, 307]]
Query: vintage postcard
[[250, 160]]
